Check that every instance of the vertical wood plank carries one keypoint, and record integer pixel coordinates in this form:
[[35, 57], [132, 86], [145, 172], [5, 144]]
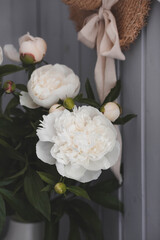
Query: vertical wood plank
[[51, 29], [152, 124], [132, 143]]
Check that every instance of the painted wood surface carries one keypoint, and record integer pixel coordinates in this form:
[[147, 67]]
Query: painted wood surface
[[140, 75]]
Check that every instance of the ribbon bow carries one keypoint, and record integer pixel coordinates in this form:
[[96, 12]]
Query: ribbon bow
[[100, 30]]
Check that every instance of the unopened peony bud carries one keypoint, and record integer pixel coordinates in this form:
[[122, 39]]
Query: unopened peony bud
[[69, 103], [60, 188], [27, 59], [56, 107], [32, 49], [111, 111], [9, 87]]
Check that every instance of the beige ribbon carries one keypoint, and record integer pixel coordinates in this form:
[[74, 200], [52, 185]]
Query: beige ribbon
[[100, 30]]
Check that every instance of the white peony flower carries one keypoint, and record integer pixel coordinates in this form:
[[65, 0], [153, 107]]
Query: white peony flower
[[80, 143], [49, 84], [33, 47], [112, 111]]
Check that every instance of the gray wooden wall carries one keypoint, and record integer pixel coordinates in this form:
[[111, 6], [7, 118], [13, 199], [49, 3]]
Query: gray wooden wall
[[140, 74]]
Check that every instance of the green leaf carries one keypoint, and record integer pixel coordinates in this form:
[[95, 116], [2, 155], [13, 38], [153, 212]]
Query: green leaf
[[20, 173], [74, 233], [78, 97], [51, 231], [12, 104], [106, 200], [5, 182], [6, 128], [47, 188], [21, 87], [78, 191], [84, 214], [40, 200], [114, 93], [89, 90], [11, 152], [21, 207], [47, 177], [2, 213], [107, 186], [123, 120], [90, 102], [8, 69]]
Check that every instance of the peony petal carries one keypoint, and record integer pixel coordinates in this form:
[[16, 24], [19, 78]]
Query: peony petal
[[1, 55], [70, 87], [90, 176], [41, 45], [25, 37], [95, 165], [43, 152], [72, 171], [26, 100], [106, 162], [112, 157], [46, 131], [116, 168], [11, 53]]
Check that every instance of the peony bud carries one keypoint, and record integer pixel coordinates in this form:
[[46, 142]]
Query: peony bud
[[56, 107], [9, 87], [60, 188], [68, 103], [111, 111], [31, 50], [27, 59]]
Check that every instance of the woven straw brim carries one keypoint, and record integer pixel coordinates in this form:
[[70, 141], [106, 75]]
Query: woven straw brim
[[84, 4], [130, 17]]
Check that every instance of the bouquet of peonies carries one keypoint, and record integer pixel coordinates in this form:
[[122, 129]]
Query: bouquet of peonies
[[55, 146]]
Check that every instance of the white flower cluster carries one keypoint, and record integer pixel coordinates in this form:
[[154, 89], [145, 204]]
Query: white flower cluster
[[81, 143]]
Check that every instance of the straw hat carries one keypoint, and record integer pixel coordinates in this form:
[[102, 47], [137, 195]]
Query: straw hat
[[130, 16]]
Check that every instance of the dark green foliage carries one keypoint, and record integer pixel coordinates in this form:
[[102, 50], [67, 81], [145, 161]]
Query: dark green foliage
[[114, 93], [39, 200], [89, 90], [78, 191], [124, 120], [86, 218], [8, 69]]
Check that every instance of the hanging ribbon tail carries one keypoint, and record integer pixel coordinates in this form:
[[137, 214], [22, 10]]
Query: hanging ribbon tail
[[105, 76], [116, 168]]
